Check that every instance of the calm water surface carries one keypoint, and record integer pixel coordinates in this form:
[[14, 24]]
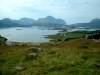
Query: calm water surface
[[26, 34]]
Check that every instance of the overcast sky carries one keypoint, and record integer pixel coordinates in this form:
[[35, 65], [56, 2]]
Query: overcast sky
[[72, 11]]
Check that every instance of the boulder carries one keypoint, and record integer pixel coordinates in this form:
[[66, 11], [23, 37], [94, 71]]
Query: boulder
[[20, 68]]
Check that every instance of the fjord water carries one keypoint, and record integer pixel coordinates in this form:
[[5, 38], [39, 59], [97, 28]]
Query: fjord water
[[27, 34]]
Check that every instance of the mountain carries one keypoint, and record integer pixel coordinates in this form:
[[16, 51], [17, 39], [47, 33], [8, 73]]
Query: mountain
[[47, 21], [8, 23], [26, 21], [22, 21], [50, 19], [93, 23]]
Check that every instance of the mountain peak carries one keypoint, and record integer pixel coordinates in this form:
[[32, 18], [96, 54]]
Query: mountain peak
[[50, 17], [95, 20], [26, 21], [7, 18]]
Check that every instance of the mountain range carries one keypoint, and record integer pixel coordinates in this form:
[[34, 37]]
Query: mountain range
[[49, 20], [22, 21]]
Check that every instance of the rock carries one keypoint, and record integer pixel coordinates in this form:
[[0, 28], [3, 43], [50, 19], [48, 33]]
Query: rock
[[35, 49], [20, 68], [9, 43], [39, 50]]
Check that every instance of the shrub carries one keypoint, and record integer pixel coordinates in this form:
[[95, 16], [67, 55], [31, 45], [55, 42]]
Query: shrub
[[52, 52], [59, 39], [84, 57], [95, 65], [84, 47], [0, 72]]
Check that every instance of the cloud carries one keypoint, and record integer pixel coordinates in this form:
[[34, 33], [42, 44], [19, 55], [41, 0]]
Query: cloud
[[71, 11]]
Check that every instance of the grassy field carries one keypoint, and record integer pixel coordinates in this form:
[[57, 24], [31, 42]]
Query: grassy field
[[72, 35], [74, 57]]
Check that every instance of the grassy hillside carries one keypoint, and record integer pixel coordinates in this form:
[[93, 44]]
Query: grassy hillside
[[74, 35], [2, 39], [74, 57]]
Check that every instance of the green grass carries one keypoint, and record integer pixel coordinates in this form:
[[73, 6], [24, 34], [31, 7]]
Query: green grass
[[2, 39], [71, 58], [70, 35]]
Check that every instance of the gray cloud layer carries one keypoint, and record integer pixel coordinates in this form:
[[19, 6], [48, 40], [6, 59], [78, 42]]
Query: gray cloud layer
[[72, 11]]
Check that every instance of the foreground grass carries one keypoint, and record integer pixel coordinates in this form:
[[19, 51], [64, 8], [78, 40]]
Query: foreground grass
[[67, 58]]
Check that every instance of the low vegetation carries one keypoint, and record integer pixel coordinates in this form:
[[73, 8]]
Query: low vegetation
[[75, 35], [74, 57]]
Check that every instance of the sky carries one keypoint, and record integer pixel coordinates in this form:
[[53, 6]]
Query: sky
[[72, 11]]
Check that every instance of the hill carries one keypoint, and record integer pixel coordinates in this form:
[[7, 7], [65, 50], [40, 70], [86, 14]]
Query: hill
[[7, 23], [93, 23]]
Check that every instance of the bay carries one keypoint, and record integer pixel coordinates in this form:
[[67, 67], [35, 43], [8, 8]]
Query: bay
[[27, 34]]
